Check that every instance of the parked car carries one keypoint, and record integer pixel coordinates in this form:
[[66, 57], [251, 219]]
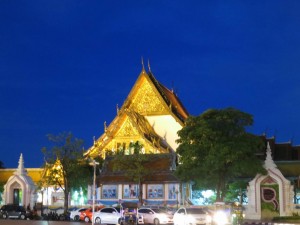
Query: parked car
[[109, 215], [87, 214], [191, 216], [156, 216], [13, 211], [75, 214]]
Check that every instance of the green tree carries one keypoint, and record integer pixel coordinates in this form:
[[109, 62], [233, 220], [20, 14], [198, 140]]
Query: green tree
[[133, 165], [237, 191], [2, 165], [215, 149], [65, 165]]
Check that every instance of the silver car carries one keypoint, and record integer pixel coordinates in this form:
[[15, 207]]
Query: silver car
[[109, 215], [191, 216], [156, 216]]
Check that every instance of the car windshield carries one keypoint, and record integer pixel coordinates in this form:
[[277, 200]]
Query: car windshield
[[159, 210], [195, 211]]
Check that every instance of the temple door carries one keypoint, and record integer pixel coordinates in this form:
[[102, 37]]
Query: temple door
[[16, 196]]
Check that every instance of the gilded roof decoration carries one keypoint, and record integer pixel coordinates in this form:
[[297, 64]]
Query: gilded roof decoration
[[147, 101], [127, 129], [147, 98]]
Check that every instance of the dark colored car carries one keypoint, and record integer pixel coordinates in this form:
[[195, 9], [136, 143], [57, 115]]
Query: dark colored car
[[13, 211]]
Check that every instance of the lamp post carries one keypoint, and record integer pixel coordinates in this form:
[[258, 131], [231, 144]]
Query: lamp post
[[94, 164], [177, 197]]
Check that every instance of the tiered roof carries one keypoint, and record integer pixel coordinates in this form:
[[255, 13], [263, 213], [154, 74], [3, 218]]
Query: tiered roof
[[148, 98], [285, 151]]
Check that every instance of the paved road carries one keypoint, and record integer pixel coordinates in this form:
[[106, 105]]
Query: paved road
[[39, 222]]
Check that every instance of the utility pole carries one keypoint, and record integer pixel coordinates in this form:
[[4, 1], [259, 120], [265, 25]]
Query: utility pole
[[94, 164]]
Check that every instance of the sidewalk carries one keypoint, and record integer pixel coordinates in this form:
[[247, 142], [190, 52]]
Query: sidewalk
[[258, 222]]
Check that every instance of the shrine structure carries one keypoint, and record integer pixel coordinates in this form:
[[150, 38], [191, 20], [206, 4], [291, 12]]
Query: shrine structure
[[269, 195], [20, 188]]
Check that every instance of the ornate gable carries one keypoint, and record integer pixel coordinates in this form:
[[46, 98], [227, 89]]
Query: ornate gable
[[127, 130], [147, 100]]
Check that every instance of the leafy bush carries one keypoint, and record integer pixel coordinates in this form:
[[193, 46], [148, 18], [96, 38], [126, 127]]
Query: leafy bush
[[294, 218]]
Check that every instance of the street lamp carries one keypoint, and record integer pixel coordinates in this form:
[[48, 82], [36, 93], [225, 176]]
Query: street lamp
[[177, 197], [94, 164]]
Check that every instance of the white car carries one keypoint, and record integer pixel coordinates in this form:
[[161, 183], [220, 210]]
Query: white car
[[75, 214], [191, 216], [109, 215], [156, 216]]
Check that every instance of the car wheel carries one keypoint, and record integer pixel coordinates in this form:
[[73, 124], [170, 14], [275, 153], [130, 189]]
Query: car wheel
[[97, 220], [76, 218], [22, 217], [86, 219], [120, 222], [156, 221], [4, 216]]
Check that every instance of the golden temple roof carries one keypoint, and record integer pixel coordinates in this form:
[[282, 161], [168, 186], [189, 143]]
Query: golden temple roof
[[147, 98]]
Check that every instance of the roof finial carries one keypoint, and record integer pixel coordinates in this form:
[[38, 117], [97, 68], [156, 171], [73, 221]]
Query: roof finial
[[105, 127], [118, 109], [143, 63], [149, 66]]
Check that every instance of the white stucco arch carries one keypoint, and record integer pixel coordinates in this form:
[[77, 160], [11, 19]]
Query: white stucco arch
[[254, 190], [20, 180]]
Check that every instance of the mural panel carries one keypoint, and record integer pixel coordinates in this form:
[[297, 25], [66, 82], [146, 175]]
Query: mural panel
[[155, 191], [172, 191], [130, 191], [109, 191]]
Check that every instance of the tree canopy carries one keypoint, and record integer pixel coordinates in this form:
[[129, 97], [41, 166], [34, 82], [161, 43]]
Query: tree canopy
[[215, 149], [64, 164], [133, 165]]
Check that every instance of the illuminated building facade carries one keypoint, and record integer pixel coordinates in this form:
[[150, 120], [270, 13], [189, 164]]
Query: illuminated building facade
[[152, 115]]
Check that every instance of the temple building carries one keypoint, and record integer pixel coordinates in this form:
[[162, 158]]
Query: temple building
[[152, 115]]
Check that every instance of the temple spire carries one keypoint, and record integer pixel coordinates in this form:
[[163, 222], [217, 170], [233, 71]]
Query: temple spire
[[21, 170], [269, 163]]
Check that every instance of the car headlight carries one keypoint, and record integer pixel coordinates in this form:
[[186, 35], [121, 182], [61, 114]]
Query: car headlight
[[163, 217], [220, 218], [208, 218]]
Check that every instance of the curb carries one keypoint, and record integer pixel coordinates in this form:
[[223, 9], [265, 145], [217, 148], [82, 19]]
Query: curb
[[258, 223]]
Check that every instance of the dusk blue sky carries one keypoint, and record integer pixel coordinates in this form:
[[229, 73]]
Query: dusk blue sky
[[65, 65]]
